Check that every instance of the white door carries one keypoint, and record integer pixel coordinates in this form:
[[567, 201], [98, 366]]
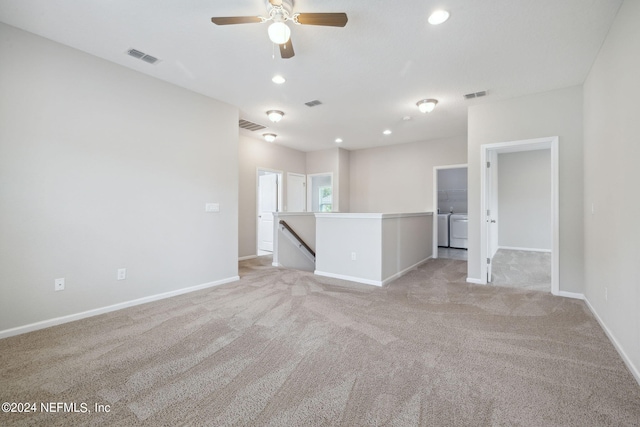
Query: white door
[[491, 189], [267, 205], [296, 192]]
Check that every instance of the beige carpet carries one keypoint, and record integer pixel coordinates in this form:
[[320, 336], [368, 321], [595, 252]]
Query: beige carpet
[[287, 348]]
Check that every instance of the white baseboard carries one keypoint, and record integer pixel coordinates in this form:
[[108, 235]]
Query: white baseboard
[[405, 271], [627, 361], [573, 295], [475, 281], [90, 313], [244, 258], [371, 281], [349, 278], [513, 248]]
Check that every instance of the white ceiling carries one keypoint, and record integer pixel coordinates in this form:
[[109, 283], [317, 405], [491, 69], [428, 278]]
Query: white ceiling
[[368, 75]]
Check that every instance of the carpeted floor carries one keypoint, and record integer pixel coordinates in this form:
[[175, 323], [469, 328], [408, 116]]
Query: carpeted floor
[[522, 269], [287, 348]]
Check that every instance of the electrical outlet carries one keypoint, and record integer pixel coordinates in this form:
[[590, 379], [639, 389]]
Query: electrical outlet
[[122, 273], [59, 284], [353, 256]]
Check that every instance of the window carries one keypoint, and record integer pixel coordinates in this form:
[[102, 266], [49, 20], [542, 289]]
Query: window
[[325, 196]]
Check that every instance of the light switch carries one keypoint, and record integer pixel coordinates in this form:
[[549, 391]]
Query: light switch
[[212, 207]]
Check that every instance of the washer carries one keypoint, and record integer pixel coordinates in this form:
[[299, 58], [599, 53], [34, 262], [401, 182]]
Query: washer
[[458, 231], [443, 230]]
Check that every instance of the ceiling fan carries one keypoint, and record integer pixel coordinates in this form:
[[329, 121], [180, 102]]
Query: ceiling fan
[[281, 11]]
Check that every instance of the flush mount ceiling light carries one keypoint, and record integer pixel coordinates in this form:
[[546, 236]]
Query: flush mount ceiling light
[[338, 140], [387, 132], [270, 137], [279, 32], [438, 17], [278, 79], [427, 105], [275, 116]]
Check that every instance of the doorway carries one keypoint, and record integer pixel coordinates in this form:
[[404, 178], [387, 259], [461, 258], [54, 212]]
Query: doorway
[[269, 194], [449, 196], [489, 204], [320, 192]]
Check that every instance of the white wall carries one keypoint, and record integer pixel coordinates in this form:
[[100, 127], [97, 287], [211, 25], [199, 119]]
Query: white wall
[[554, 113], [344, 179], [336, 162], [524, 199], [102, 168], [399, 178], [253, 154], [612, 177]]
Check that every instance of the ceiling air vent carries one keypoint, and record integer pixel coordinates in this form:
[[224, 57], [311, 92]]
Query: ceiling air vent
[[475, 94], [312, 103], [246, 124], [142, 56]]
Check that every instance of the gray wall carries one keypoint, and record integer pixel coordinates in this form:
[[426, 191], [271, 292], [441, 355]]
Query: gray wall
[[102, 168], [612, 176], [524, 200], [399, 178], [253, 154], [554, 113]]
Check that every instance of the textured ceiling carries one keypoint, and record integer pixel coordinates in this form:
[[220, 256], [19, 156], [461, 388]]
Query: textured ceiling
[[368, 75]]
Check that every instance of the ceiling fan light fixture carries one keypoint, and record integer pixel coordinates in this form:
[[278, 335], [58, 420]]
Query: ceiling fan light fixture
[[427, 105], [279, 32], [438, 17], [269, 137], [275, 115]]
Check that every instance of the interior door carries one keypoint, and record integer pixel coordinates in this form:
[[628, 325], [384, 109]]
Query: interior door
[[267, 205], [296, 192], [491, 218]]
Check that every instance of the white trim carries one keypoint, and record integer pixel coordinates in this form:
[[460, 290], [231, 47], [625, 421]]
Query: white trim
[[573, 295], [627, 360], [513, 248], [102, 310], [244, 258], [370, 281], [405, 271], [475, 281], [349, 278], [551, 143], [345, 215]]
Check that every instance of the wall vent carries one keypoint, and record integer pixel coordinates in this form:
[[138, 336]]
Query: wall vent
[[246, 124], [142, 56], [312, 103], [475, 94]]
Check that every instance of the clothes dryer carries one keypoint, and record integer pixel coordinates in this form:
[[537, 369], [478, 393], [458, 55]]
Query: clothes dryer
[[458, 231]]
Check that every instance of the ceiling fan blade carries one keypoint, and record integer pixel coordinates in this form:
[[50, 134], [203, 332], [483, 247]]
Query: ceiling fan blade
[[229, 20], [276, 2], [286, 50], [326, 19]]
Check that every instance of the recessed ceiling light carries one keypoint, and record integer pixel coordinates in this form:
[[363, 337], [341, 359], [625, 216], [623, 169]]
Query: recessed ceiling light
[[269, 137], [278, 79], [275, 115], [438, 17], [338, 140], [387, 132], [406, 118]]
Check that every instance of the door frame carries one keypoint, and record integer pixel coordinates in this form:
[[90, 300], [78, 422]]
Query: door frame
[[486, 151], [279, 195], [435, 202]]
